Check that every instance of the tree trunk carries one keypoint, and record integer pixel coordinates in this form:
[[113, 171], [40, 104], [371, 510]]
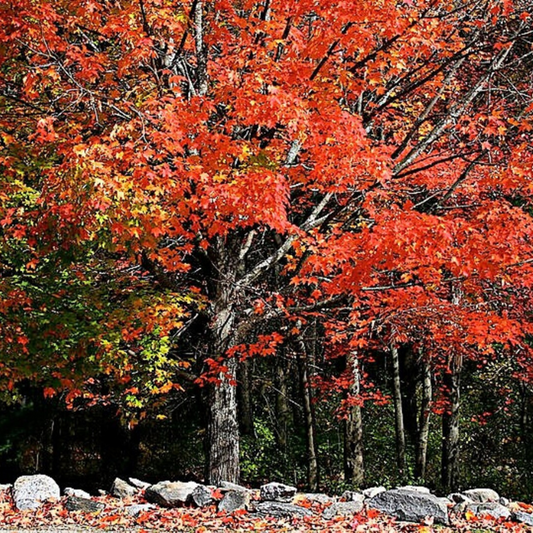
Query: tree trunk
[[450, 428], [283, 412], [398, 410], [223, 430], [354, 471], [223, 425], [423, 425], [201, 49], [312, 464]]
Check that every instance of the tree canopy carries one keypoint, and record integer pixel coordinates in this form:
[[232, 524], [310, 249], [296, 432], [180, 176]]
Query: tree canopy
[[186, 185]]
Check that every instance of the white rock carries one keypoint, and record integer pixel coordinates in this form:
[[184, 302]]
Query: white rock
[[29, 492], [78, 493]]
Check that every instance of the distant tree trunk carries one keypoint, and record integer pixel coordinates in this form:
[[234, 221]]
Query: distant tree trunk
[[354, 470], [246, 415], [312, 461], [423, 425], [283, 412], [398, 410], [450, 426], [410, 374]]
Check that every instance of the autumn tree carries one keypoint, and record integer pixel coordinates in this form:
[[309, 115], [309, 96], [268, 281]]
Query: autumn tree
[[262, 164]]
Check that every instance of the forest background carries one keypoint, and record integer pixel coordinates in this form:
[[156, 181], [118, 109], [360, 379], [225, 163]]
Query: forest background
[[253, 241]]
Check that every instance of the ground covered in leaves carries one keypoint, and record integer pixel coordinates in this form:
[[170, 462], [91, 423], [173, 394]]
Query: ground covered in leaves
[[54, 517]]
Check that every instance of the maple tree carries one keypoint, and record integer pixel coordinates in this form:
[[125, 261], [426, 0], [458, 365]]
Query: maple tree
[[225, 177]]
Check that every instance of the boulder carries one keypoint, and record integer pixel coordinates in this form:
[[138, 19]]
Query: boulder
[[234, 500], [74, 503], [373, 491], [201, 496], [523, 518], [491, 510], [277, 492], [343, 509], [410, 505], [122, 489], [170, 494], [352, 496], [482, 495], [78, 493], [281, 510], [136, 510], [29, 492], [137, 483]]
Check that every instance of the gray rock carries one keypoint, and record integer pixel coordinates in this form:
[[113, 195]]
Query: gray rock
[[74, 503], [504, 501], [234, 500], [493, 510], [373, 491], [482, 495], [343, 509], [411, 506], [29, 492], [352, 496], [122, 489], [170, 494], [137, 483], [78, 493], [227, 485], [415, 488], [458, 497], [311, 497], [201, 496], [281, 510], [136, 510], [523, 518], [102, 492], [277, 492]]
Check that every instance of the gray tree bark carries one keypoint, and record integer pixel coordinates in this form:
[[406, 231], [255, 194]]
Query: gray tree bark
[[450, 427], [423, 425], [354, 470], [398, 411], [310, 429], [223, 425]]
